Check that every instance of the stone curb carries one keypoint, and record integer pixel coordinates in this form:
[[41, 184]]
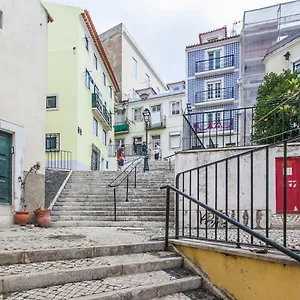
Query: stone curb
[[31, 256], [150, 291], [22, 282]]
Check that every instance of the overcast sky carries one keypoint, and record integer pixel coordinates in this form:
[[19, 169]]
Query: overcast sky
[[163, 28]]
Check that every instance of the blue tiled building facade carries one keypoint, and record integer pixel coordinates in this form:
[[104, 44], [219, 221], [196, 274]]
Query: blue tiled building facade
[[213, 68]]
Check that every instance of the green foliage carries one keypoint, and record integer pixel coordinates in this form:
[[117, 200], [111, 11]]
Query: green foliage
[[273, 125]]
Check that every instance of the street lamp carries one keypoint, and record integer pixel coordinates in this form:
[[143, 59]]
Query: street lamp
[[146, 115]]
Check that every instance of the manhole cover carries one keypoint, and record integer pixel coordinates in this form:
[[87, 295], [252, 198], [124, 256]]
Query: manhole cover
[[67, 237]]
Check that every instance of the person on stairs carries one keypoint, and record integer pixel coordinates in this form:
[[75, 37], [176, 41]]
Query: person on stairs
[[156, 151], [120, 157]]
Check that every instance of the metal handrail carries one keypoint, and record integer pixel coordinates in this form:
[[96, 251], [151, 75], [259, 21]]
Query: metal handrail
[[247, 229]]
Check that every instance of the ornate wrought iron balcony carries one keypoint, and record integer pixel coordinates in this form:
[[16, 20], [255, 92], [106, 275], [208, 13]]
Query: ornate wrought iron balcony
[[215, 64], [214, 95]]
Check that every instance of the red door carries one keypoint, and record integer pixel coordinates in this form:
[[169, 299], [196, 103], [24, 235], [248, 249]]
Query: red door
[[292, 184]]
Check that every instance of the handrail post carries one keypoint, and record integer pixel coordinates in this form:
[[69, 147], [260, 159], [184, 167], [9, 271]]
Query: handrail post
[[167, 219], [177, 210], [135, 177], [115, 205], [170, 168], [127, 188]]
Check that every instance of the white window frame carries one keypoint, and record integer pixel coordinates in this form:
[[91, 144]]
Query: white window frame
[[214, 111], [134, 67], [95, 127], [86, 41], [177, 134], [133, 114], [57, 141], [87, 79], [208, 51], [214, 81], [56, 98], [104, 137], [171, 107], [110, 92], [296, 63], [156, 106], [147, 80], [104, 79]]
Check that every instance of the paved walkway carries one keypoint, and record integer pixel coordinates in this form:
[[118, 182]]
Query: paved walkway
[[33, 238]]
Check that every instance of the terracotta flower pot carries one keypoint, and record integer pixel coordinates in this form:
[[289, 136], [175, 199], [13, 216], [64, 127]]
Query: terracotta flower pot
[[43, 217], [21, 217]]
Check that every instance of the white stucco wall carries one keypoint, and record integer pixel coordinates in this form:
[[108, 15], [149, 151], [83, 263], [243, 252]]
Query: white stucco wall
[[174, 123], [276, 62], [129, 82], [191, 159], [23, 59]]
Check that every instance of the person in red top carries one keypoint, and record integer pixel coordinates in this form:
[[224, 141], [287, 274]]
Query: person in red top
[[120, 157]]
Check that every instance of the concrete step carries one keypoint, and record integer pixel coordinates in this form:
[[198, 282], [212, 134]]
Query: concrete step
[[109, 213], [72, 217], [107, 208], [189, 295], [135, 224], [110, 204], [16, 278], [139, 286]]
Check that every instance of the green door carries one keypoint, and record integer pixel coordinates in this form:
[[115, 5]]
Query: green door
[[5, 168]]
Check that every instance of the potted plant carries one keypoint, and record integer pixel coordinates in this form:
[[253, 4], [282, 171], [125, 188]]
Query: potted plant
[[42, 216], [21, 217]]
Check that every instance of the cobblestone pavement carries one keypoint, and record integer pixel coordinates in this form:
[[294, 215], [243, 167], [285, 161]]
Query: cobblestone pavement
[[85, 288], [74, 263], [16, 238]]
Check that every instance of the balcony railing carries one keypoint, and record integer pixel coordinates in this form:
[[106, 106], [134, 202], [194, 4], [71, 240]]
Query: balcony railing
[[215, 63], [214, 95], [158, 125], [104, 114], [121, 128]]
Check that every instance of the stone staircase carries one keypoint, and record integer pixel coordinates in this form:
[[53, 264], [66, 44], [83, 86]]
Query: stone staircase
[[110, 272], [86, 200]]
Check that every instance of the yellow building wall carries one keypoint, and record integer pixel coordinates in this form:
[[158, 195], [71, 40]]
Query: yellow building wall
[[66, 78], [276, 62], [247, 278]]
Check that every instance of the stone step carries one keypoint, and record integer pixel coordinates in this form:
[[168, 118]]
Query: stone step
[[140, 286], [135, 224], [120, 218], [189, 295], [131, 213], [93, 201], [107, 208], [110, 204], [107, 198], [16, 278]]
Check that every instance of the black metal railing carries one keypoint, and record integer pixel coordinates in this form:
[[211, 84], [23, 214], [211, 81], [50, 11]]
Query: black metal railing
[[128, 175], [218, 128], [216, 94], [215, 63], [237, 190], [59, 159], [169, 159], [221, 216], [104, 112]]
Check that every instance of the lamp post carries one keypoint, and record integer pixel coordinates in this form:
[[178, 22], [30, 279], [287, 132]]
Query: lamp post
[[146, 115]]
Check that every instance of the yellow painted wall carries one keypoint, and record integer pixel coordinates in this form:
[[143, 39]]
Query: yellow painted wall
[[66, 78], [276, 62], [247, 278]]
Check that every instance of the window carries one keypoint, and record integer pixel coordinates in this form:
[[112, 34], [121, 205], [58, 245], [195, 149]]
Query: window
[[104, 79], [51, 102], [110, 92], [213, 118], [79, 130], [175, 108], [147, 80], [212, 39], [96, 90], [297, 66], [214, 90], [95, 61], [137, 114], [95, 127], [214, 60], [87, 79], [134, 67], [176, 88], [175, 140], [104, 137], [119, 142], [86, 40], [134, 95], [1, 19], [155, 108], [52, 141]]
